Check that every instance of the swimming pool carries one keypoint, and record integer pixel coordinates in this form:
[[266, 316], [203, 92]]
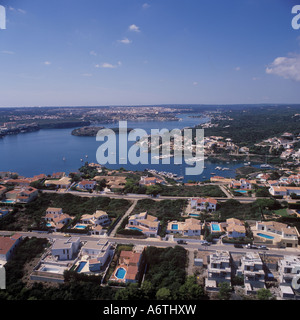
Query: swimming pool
[[240, 191], [174, 227], [215, 227], [120, 274], [135, 228], [48, 224], [193, 215], [80, 266], [265, 236], [8, 201], [79, 226]]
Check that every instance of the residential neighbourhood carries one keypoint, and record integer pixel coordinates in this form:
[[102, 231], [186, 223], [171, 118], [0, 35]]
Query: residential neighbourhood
[[93, 242]]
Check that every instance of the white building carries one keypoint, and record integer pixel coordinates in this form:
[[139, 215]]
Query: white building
[[190, 227], [252, 270], [218, 270], [87, 184], [284, 191], [145, 223], [289, 277], [96, 253], [98, 218], [278, 233], [65, 249], [54, 211], [7, 246], [201, 204]]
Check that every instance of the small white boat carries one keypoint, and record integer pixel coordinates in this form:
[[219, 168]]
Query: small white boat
[[265, 165]]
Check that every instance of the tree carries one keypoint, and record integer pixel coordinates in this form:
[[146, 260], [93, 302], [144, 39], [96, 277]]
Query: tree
[[190, 290], [225, 291], [147, 289], [163, 294], [264, 294], [154, 190]]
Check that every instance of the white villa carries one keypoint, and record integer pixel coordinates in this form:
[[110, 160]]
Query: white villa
[[190, 227], [62, 183], [243, 184], [65, 249], [289, 277], [96, 254], [252, 270], [87, 184], [98, 218], [278, 233], [56, 219], [218, 270], [235, 228], [284, 191], [144, 222], [7, 246], [207, 204]]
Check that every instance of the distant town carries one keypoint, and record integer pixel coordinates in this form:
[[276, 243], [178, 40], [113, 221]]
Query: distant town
[[128, 234]]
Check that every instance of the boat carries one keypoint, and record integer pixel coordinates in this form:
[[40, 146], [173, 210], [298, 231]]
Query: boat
[[212, 173], [81, 160], [86, 156], [64, 159], [265, 165]]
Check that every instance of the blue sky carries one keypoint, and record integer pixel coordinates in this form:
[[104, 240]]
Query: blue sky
[[131, 52]]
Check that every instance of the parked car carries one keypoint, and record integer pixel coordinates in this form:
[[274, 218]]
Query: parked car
[[251, 246], [205, 243], [181, 242], [238, 245], [263, 248]]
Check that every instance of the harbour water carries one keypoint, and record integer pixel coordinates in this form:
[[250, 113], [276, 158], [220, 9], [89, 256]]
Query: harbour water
[[56, 150]]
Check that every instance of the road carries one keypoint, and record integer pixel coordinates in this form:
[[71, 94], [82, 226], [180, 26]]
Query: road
[[142, 196], [131, 197], [191, 245]]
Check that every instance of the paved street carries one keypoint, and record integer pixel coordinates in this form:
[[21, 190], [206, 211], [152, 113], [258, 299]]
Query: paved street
[[193, 245]]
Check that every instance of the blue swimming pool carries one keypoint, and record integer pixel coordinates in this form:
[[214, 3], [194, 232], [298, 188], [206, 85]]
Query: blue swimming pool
[[81, 265], [265, 236], [8, 201], [135, 228], [193, 215], [48, 224], [174, 227], [240, 191], [80, 227], [215, 227], [120, 274]]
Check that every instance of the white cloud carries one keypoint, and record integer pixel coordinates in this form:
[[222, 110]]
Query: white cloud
[[87, 75], [125, 41], [93, 53], [195, 83], [17, 10], [7, 52], [106, 65], [286, 67], [47, 63], [134, 28], [22, 11], [237, 68], [146, 6]]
